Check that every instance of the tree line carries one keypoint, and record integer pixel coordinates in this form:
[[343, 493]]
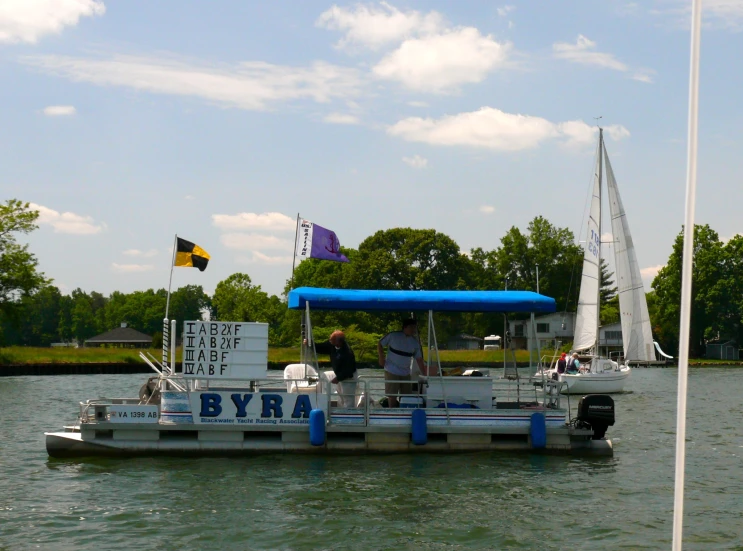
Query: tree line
[[34, 312]]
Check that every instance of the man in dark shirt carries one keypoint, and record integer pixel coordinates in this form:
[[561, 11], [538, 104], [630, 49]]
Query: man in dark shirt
[[343, 362]]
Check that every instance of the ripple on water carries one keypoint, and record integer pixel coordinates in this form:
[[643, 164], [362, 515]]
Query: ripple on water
[[475, 501]]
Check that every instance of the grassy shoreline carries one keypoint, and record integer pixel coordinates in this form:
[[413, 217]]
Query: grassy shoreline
[[19, 355]]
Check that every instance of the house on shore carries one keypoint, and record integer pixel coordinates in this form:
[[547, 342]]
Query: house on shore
[[558, 326], [463, 341], [727, 350], [121, 337]]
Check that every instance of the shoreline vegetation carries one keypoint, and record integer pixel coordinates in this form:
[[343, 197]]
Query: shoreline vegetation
[[22, 355]]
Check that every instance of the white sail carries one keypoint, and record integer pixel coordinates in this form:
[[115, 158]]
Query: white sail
[[586, 321], [637, 335]]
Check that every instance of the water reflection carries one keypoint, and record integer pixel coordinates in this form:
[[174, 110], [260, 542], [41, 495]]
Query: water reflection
[[426, 501]]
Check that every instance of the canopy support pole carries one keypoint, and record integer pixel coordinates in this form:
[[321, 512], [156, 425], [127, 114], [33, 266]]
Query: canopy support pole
[[432, 332]]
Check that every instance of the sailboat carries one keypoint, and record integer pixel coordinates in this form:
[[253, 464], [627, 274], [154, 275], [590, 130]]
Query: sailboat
[[603, 375]]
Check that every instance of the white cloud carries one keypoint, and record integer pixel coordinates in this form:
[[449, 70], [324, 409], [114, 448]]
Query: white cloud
[[67, 222], [59, 110], [651, 271], [442, 62], [270, 221], [583, 52], [628, 9], [717, 14], [137, 252], [417, 104], [131, 268], [644, 75], [29, 20], [729, 13], [255, 242], [341, 118], [260, 258], [373, 26], [505, 10], [416, 161], [493, 129], [189, 197], [617, 132], [252, 85], [487, 209]]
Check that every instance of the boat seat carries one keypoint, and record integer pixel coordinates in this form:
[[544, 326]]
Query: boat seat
[[303, 386]]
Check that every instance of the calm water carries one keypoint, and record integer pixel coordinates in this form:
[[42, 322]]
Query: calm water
[[475, 501]]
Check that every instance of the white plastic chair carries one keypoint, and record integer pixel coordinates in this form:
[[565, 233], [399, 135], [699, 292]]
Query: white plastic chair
[[297, 371]]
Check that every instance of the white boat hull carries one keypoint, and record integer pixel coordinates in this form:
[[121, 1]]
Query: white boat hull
[[607, 382]]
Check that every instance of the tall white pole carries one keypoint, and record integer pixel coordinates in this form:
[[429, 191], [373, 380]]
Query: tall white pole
[[174, 342], [170, 281], [166, 327], [598, 293], [686, 277], [537, 278], [294, 256]]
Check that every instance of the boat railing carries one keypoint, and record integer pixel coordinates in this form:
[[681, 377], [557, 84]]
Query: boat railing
[[92, 410], [365, 395]]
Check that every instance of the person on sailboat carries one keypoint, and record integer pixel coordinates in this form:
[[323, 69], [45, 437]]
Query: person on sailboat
[[573, 365], [562, 364]]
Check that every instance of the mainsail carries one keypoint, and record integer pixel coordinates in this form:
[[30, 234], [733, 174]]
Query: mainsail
[[637, 336], [586, 321]]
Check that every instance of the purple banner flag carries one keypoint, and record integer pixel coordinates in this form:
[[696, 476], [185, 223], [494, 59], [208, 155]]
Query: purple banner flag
[[317, 242]]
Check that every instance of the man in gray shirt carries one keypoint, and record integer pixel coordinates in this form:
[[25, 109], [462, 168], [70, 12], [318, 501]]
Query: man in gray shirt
[[402, 347]]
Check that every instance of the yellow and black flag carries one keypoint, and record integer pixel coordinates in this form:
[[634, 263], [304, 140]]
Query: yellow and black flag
[[191, 255]]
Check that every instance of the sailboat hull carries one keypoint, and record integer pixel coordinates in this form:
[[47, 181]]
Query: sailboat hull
[[607, 382]]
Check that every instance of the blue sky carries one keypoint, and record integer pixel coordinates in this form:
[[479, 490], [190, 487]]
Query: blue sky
[[129, 121]]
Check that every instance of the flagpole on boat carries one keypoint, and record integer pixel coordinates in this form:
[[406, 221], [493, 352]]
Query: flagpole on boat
[[166, 327], [170, 281], [686, 275], [294, 258]]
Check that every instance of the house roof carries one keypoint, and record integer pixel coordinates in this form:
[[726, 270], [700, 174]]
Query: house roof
[[720, 342], [121, 334], [466, 337]]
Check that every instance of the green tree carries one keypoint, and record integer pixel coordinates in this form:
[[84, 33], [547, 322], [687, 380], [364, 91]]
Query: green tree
[[237, 299], [43, 315], [609, 297], [189, 303], [707, 300], [18, 267], [550, 247], [406, 258], [727, 292], [145, 310], [64, 327], [82, 317]]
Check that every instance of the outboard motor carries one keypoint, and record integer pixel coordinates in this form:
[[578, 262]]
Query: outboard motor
[[150, 393], [596, 411]]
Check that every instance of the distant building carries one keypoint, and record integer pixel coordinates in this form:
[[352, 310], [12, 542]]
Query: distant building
[[124, 337], [723, 350], [610, 340], [491, 342], [464, 342], [549, 328]]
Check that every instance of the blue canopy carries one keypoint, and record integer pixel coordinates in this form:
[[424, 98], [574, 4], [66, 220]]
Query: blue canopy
[[407, 301]]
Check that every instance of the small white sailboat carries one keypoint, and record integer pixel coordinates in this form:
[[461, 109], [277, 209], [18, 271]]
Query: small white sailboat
[[603, 375]]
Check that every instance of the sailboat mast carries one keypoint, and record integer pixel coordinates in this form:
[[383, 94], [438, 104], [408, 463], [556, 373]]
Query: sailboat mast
[[598, 241]]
